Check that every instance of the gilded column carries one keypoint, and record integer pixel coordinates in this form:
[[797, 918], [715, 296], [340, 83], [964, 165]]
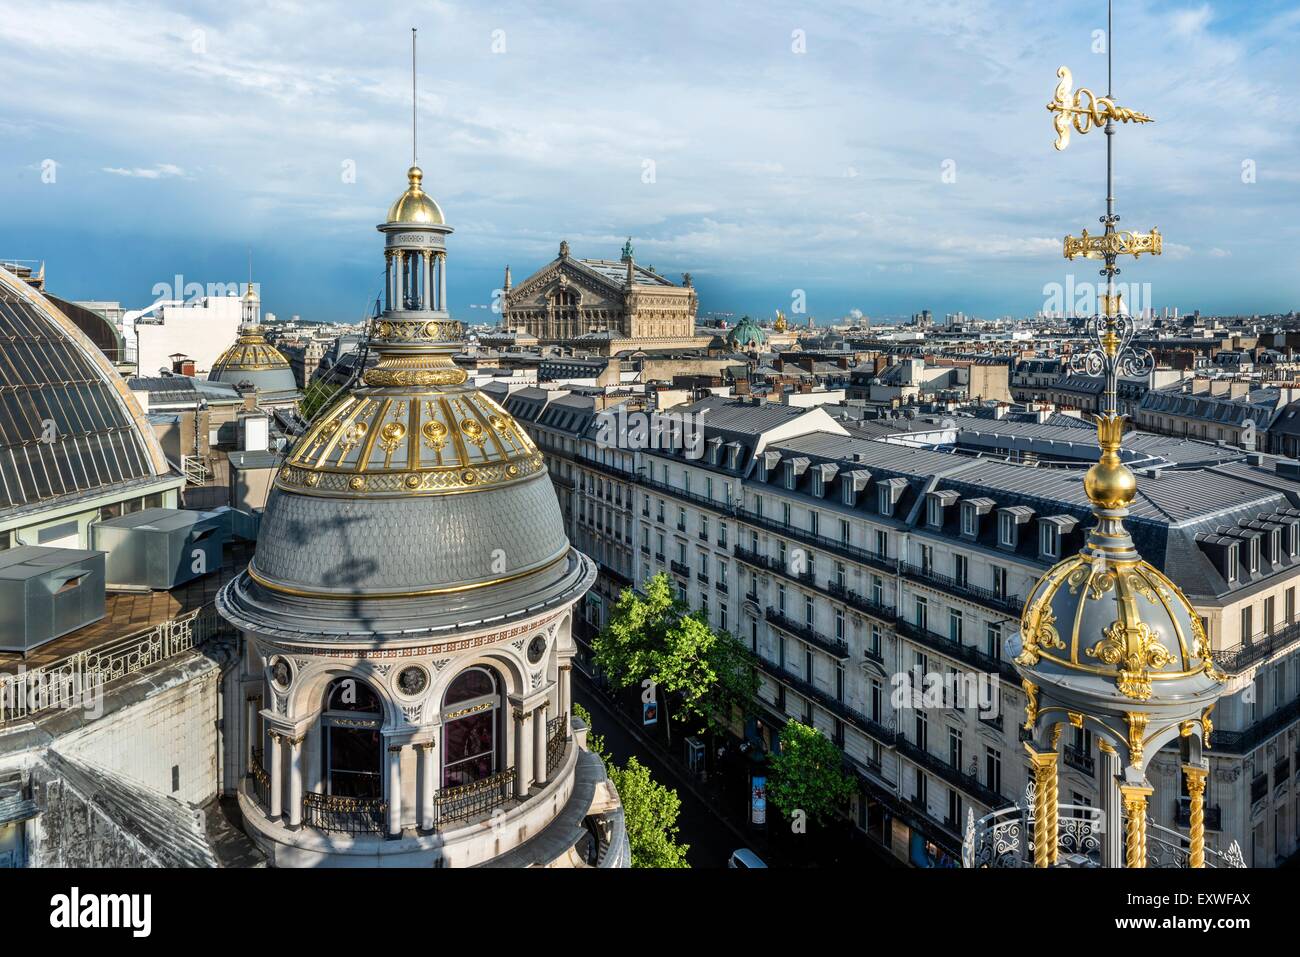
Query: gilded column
[[395, 790], [523, 754], [428, 789], [1135, 829], [1045, 814], [295, 781], [1196, 790], [539, 745], [277, 779]]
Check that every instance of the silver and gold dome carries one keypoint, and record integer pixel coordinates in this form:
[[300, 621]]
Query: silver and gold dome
[[254, 360], [413, 503]]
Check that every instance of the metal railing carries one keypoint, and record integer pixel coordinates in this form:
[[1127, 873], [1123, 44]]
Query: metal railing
[[346, 815], [1239, 742], [1258, 648], [556, 741], [834, 647], [1008, 604], [478, 797], [77, 680], [261, 780], [834, 546], [955, 649], [1079, 759]]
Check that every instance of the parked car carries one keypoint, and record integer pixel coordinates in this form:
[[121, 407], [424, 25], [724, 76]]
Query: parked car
[[745, 859]]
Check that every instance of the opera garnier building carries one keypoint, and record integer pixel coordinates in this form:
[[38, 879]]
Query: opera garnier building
[[407, 615]]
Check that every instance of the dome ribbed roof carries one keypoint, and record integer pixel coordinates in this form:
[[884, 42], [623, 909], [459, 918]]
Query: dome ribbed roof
[[253, 359]]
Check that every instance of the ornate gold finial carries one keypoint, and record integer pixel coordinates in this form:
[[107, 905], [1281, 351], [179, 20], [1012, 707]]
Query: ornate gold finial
[[1085, 109]]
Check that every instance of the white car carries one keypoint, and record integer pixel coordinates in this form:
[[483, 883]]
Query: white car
[[745, 859]]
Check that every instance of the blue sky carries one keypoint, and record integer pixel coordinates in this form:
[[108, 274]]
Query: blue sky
[[182, 135]]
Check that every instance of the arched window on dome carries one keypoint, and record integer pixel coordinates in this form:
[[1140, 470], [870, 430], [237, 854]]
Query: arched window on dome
[[352, 748], [472, 710]]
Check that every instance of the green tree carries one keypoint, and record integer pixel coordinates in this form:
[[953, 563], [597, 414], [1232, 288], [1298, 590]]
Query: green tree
[[319, 394], [595, 742], [808, 774], [650, 815], [654, 641]]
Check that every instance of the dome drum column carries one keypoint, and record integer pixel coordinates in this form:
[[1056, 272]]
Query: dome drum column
[[1196, 777], [1134, 797], [1044, 764], [1112, 844], [428, 785]]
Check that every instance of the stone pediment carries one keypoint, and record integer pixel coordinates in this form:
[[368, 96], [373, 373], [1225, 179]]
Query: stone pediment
[[595, 289]]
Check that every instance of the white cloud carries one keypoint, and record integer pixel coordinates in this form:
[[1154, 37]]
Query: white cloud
[[152, 172]]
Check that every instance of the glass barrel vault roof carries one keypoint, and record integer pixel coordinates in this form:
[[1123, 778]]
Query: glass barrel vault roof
[[66, 428]]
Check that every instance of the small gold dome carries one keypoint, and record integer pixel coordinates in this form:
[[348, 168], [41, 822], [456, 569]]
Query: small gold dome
[[251, 295], [415, 205]]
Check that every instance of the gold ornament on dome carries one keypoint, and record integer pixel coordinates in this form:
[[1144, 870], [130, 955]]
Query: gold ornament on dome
[[390, 436], [1084, 109], [435, 434], [1137, 650]]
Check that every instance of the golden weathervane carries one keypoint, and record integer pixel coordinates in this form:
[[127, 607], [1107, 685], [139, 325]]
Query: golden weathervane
[[1085, 109]]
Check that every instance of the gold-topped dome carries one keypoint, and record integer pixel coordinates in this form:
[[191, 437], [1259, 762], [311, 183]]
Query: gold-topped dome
[[251, 295], [250, 353], [415, 205]]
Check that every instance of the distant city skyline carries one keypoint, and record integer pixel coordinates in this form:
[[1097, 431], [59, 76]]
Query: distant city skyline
[[900, 162]]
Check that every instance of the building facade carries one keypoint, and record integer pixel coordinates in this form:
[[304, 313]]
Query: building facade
[[852, 568], [604, 305]]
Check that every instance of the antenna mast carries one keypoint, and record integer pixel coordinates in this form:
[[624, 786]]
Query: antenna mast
[[414, 154]]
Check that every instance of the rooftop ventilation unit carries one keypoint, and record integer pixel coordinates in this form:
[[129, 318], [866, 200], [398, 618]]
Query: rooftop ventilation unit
[[161, 548], [47, 592]]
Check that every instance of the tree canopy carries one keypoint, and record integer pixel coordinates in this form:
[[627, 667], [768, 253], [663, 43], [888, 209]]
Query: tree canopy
[[654, 636], [808, 775]]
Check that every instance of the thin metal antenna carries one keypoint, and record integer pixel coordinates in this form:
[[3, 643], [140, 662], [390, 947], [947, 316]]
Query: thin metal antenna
[[414, 154]]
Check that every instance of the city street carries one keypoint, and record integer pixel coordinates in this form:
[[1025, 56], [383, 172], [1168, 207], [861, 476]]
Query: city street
[[711, 841]]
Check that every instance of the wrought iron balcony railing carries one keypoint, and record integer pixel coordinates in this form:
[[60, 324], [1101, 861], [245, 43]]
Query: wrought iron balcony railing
[[474, 799], [955, 649], [833, 546], [346, 815], [1079, 759], [832, 646], [1258, 648], [1007, 604], [1004, 838]]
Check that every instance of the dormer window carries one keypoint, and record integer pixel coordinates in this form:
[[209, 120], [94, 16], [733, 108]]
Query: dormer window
[[818, 484], [852, 483], [1006, 531], [1293, 539], [969, 521], [1050, 530], [1049, 540], [1009, 521], [1275, 545], [889, 491], [1254, 555], [1233, 561], [938, 503]]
